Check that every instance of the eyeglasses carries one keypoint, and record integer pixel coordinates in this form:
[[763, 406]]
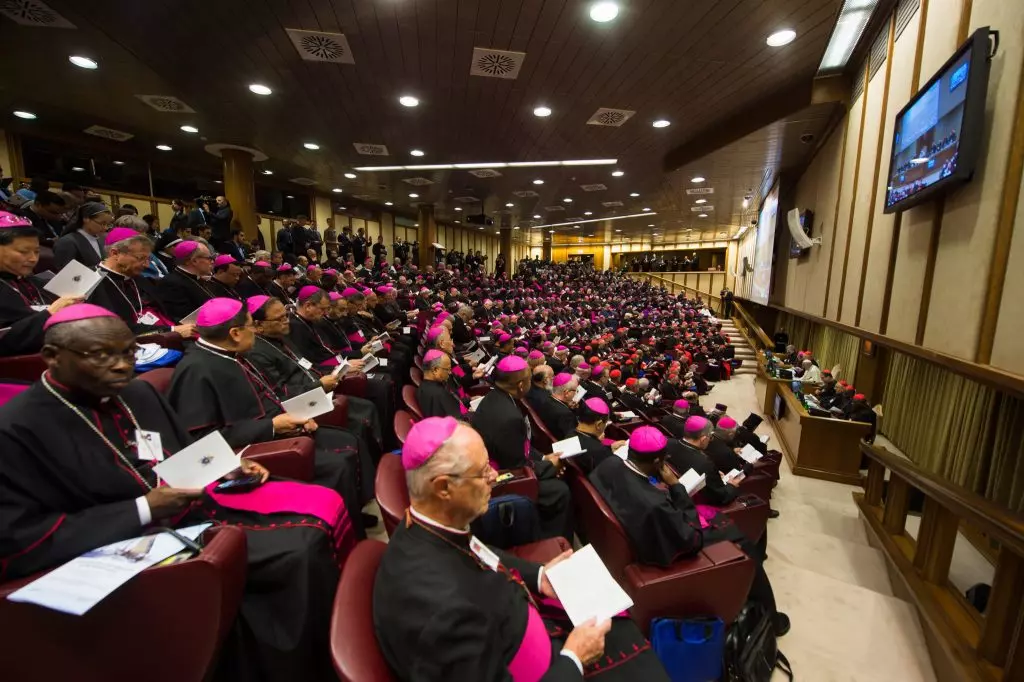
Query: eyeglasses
[[486, 473], [104, 358], [283, 318]]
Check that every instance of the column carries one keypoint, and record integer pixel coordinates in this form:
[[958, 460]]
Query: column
[[427, 234], [546, 249], [239, 190]]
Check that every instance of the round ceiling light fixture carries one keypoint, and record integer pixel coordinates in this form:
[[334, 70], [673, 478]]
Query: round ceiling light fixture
[[567, 200], [164, 147], [538, 181], [27, 115], [413, 195], [83, 62], [118, 163], [458, 208], [408, 101], [389, 203], [780, 38], [267, 171], [697, 179], [417, 152], [603, 12], [537, 216], [618, 174], [661, 123], [634, 194], [647, 208], [190, 129], [337, 190], [509, 205], [311, 146], [701, 201], [702, 215], [588, 213], [350, 176], [542, 112], [260, 89]]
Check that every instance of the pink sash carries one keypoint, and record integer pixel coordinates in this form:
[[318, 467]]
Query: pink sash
[[706, 514], [533, 658], [330, 362]]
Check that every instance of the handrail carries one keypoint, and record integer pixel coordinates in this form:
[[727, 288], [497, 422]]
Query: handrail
[[998, 522], [703, 294], [749, 321]]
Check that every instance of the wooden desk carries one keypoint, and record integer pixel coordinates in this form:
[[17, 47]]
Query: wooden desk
[[818, 447]]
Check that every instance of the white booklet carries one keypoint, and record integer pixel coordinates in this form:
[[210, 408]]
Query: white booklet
[[476, 356], [734, 477], [475, 402], [191, 317], [310, 404], [199, 464], [623, 451], [74, 280], [342, 367], [626, 415], [80, 584], [586, 588], [489, 365], [369, 362], [693, 482], [376, 346], [749, 454], [579, 394], [765, 438], [570, 447]]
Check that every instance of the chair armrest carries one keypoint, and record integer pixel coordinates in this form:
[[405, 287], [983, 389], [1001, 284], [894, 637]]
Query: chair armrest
[[715, 582], [22, 367], [171, 340], [750, 514], [757, 484], [288, 457], [479, 390], [353, 384], [225, 548], [339, 417], [525, 483], [542, 551], [767, 467]]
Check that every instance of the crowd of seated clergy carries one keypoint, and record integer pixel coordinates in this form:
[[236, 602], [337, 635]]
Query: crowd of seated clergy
[[578, 346]]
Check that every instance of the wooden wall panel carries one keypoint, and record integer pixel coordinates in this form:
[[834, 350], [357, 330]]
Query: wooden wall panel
[[164, 213], [940, 35], [1007, 352], [838, 250], [969, 225]]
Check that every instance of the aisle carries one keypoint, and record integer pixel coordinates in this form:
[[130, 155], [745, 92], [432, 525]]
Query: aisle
[[847, 625]]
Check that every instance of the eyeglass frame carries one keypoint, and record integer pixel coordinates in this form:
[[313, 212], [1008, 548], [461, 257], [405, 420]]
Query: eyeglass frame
[[92, 356]]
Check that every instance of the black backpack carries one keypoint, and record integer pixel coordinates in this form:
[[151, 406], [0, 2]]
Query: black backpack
[[511, 520], [751, 653]]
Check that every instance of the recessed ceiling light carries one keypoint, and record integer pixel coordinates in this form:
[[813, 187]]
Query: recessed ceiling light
[[702, 215], [164, 147], [458, 221], [634, 194], [602, 12], [538, 181], [536, 216], [509, 205], [417, 152], [408, 101], [567, 200], [258, 89], [661, 123], [516, 227], [458, 208], [651, 225], [551, 231], [77, 169], [780, 38], [190, 129], [219, 182], [697, 179], [27, 115], [351, 176], [289, 196], [267, 171], [389, 203], [542, 112], [83, 62], [746, 203], [701, 201], [337, 190], [646, 208], [618, 230], [413, 195], [416, 225], [618, 174], [119, 163], [311, 146]]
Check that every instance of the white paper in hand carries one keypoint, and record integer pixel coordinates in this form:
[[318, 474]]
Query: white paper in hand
[[376, 346], [309, 405], [765, 438], [369, 362], [475, 356], [475, 402], [199, 464], [623, 452], [191, 317], [570, 447], [74, 280], [586, 588], [342, 367], [749, 454], [579, 394], [693, 482], [489, 365]]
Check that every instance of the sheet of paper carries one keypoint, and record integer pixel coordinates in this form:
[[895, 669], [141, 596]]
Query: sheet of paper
[[82, 583], [342, 367], [309, 405], [626, 415], [369, 362], [191, 317], [579, 394], [476, 356], [383, 362], [765, 438], [407, 330], [750, 454], [475, 402], [484, 339], [74, 280], [692, 481], [376, 346], [734, 477], [570, 447], [199, 464], [623, 452], [489, 365], [586, 588]]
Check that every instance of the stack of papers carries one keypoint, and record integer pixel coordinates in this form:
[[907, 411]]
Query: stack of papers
[[74, 280], [749, 454], [310, 404], [586, 588], [693, 482], [570, 447]]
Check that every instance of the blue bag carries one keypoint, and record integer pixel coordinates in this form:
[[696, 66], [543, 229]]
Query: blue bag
[[510, 520], [691, 650]]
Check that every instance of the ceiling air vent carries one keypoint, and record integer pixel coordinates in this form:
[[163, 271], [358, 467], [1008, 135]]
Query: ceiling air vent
[[319, 46], [306, 182], [525, 194], [367, 149], [167, 104], [596, 187], [611, 204], [418, 182], [700, 190], [33, 13], [485, 173], [496, 63], [610, 117], [108, 133]]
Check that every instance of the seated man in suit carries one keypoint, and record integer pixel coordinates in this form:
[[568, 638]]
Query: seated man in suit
[[551, 400], [661, 520], [447, 607]]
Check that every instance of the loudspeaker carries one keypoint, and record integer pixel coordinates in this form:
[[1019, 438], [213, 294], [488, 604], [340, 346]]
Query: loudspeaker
[[796, 229]]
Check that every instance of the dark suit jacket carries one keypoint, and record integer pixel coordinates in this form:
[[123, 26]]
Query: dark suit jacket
[[74, 246]]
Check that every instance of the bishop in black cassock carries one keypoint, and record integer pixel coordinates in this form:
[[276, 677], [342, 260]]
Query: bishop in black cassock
[[24, 304]]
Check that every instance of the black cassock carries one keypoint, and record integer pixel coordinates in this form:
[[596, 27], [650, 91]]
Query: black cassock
[[506, 434], [181, 293], [213, 390], [23, 303], [725, 458], [125, 297], [596, 452], [684, 457], [437, 401], [442, 615], [674, 424], [64, 492], [559, 419]]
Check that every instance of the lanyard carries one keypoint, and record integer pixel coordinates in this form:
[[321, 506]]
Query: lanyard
[[251, 373], [29, 300], [127, 280]]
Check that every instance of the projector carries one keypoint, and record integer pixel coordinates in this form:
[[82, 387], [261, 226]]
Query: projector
[[479, 219]]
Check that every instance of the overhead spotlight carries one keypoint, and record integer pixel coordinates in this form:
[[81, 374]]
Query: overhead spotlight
[[509, 205], [118, 163], [651, 225], [311, 146], [697, 179], [267, 171], [389, 203], [258, 89], [164, 147], [634, 194], [551, 231], [77, 169], [661, 123], [701, 201], [618, 230], [458, 208], [603, 12], [542, 112], [337, 190], [537, 216], [538, 181], [416, 152], [702, 215], [618, 174], [351, 176], [190, 129], [408, 101], [567, 200], [780, 38], [289, 196], [647, 208], [27, 115], [413, 195], [83, 62], [219, 182], [588, 213]]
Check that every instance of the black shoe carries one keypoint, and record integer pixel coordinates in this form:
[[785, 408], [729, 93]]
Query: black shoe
[[781, 624], [773, 513], [369, 520]]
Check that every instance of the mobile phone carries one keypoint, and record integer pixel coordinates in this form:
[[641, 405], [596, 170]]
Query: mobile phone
[[507, 476], [239, 485]]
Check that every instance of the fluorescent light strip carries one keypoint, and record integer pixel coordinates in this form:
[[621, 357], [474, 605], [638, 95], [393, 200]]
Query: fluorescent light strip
[[513, 164], [847, 32], [599, 220]]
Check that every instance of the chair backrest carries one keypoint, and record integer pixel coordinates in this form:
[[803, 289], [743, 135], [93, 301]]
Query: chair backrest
[[10, 389], [416, 374], [540, 437], [160, 379], [409, 398], [403, 423], [354, 649], [22, 367], [602, 528], [390, 490]]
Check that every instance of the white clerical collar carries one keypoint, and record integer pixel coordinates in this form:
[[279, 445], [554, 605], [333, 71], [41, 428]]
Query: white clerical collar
[[216, 350], [431, 522]]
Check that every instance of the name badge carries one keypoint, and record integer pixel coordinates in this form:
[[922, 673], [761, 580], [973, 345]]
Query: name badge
[[304, 363], [39, 308], [484, 553], [147, 318], [149, 446]]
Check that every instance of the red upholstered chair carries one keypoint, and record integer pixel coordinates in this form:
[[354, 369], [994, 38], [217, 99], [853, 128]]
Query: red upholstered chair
[[339, 416], [749, 513], [288, 457], [416, 375], [354, 649], [159, 378], [714, 582], [759, 484], [409, 398], [403, 423], [171, 340], [193, 603], [540, 436], [22, 367], [353, 384], [46, 261]]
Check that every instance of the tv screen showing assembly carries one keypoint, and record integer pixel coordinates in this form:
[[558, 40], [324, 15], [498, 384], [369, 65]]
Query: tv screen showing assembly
[[938, 134]]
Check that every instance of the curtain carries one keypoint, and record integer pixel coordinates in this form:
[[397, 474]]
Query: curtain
[[830, 346], [1004, 476]]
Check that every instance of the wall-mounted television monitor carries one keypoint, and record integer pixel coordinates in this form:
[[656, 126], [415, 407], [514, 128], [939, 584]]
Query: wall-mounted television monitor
[[939, 133]]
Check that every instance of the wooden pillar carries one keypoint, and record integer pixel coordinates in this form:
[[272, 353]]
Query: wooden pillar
[[505, 247], [875, 483], [1003, 617], [427, 234], [240, 191], [897, 503], [546, 249], [935, 542]]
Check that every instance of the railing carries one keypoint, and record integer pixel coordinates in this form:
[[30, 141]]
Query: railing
[[714, 301], [751, 329], [967, 644]]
